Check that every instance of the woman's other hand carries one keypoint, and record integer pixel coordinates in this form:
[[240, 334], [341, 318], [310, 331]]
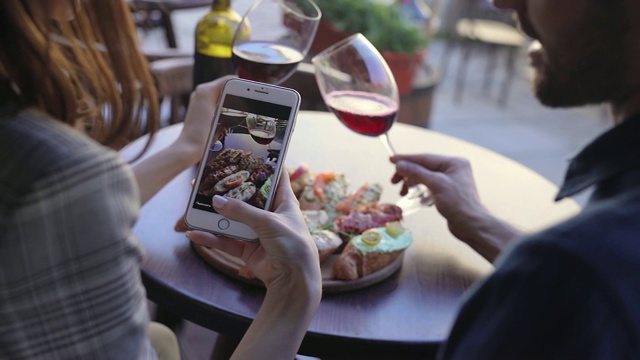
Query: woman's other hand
[[197, 122]]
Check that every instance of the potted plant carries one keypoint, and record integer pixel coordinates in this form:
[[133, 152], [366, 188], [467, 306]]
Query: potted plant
[[401, 43]]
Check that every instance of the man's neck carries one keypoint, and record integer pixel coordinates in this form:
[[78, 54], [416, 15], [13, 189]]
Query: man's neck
[[623, 110]]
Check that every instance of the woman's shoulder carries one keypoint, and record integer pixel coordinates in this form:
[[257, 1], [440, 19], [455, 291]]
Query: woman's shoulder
[[34, 147], [32, 138], [31, 131]]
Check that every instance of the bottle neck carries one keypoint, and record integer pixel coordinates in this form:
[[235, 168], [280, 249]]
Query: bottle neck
[[221, 5]]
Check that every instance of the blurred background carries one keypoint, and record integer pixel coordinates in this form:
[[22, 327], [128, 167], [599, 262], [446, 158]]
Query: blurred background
[[479, 88], [471, 82]]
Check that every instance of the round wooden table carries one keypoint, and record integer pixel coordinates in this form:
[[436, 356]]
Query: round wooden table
[[405, 316]]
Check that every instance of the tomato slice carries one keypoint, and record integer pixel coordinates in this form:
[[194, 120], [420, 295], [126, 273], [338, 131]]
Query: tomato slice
[[297, 173], [321, 180], [345, 206], [233, 181]]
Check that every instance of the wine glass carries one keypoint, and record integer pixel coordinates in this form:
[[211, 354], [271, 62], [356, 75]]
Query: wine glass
[[261, 128], [359, 88], [273, 37]]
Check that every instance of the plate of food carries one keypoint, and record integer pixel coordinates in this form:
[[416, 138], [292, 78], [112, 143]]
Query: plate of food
[[237, 174], [361, 240]]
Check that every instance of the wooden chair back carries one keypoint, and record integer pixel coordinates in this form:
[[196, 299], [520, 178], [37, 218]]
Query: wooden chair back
[[174, 81]]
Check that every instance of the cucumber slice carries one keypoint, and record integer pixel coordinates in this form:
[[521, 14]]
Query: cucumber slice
[[394, 228]]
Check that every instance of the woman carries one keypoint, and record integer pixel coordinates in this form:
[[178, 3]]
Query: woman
[[69, 273]]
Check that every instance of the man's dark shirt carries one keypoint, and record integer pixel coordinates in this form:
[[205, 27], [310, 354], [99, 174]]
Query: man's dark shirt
[[572, 291]]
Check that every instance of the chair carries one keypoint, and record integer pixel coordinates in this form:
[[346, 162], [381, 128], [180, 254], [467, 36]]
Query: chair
[[483, 26], [174, 81], [151, 14]]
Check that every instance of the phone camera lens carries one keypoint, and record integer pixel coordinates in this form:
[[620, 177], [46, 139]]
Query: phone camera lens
[[247, 89]]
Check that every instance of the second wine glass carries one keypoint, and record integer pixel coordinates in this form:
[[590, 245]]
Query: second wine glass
[[261, 128], [360, 89], [273, 37]]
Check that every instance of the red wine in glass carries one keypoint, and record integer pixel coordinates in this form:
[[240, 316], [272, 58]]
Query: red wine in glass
[[358, 86], [266, 62], [363, 112], [262, 137]]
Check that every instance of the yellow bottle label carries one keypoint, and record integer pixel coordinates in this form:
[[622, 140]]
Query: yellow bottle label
[[215, 32]]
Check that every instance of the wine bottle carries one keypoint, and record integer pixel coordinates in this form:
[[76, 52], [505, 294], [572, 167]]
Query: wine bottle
[[214, 39]]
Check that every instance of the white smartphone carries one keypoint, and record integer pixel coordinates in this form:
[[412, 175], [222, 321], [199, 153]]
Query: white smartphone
[[245, 153]]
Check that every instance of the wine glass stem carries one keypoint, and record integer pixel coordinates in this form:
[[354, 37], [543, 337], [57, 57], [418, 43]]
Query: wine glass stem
[[418, 194], [387, 144]]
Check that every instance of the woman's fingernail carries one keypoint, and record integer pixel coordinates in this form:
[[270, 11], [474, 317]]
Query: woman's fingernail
[[219, 201]]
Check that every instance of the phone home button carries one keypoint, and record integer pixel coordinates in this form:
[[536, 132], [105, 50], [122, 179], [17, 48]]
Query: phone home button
[[223, 224]]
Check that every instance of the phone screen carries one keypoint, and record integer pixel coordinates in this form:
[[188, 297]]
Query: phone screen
[[244, 152]]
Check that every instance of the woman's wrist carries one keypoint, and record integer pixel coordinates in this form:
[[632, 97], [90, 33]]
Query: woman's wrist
[[185, 153], [298, 283], [287, 310], [295, 302]]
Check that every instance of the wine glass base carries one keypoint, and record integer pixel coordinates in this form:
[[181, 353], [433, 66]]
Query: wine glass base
[[417, 198]]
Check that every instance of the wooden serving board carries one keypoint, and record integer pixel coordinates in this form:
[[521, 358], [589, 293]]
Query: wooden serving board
[[230, 265]]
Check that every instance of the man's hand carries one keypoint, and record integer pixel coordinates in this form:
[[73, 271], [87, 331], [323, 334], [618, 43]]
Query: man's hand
[[453, 189]]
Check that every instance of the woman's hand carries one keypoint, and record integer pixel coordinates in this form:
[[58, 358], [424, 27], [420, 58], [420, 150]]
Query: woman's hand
[[285, 249], [157, 170], [197, 122], [453, 189], [286, 260]]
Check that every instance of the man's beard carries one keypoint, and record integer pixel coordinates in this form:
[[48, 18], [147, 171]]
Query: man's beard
[[590, 68]]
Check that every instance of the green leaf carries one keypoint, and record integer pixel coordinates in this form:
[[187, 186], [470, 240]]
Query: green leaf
[[382, 24]]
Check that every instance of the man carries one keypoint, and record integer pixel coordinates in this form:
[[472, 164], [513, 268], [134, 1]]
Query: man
[[572, 291]]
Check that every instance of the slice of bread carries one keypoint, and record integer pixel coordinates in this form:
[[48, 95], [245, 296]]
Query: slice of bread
[[362, 257]]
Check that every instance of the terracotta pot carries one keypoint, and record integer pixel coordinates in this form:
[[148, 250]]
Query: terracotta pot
[[404, 67], [327, 35]]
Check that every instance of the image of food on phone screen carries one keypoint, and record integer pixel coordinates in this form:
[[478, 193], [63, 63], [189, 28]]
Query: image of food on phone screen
[[244, 152]]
